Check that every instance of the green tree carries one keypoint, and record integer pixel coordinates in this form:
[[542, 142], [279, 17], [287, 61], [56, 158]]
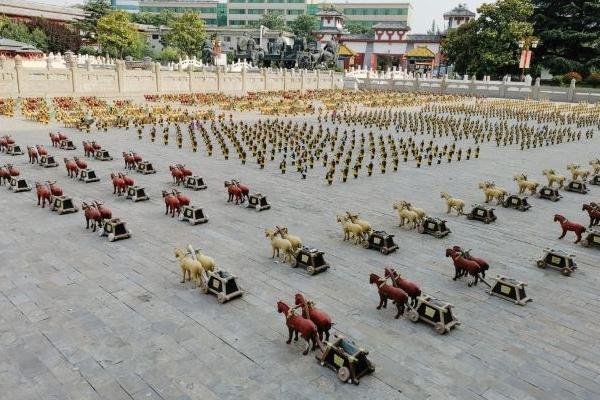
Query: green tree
[[118, 36], [60, 37], [358, 29], [489, 44], [20, 32], [186, 33], [168, 54], [570, 35], [94, 10], [273, 21], [304, 25], [155, 19]]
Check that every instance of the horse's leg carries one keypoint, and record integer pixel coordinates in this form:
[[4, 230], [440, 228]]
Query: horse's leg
[[87, 223], [183, 271], [564, 232], [305, 352], [456, 271], [578, 233], [166, 208], [296, 336], [400, 307], [290, 333], [380, 301]]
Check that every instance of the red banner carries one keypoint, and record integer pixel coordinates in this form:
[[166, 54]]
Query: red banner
[[525, 59]]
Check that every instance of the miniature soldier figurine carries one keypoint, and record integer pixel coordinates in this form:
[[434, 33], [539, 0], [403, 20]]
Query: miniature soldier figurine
[[226, 153], [272, 153], [395, 162], [243, 158], [355, 170], [458, 154], [345, 174], [477, 152], [382, 165], [282, 166], [304, 171], [262, 162], [179, 140], [469, 153], [370, 168], [140, 133], [153, 134], [166, 135], [430, 159], [329, 177], [194, 145], [419, 159]]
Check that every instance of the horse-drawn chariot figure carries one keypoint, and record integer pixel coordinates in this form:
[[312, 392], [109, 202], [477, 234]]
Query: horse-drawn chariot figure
[[558, 259], [145, 167], [47, 161], [310, 259], [88, 175], [18, 184], [222, 284], [14, 150], [434, 226], [510, 289], [258, 202], [63, 205], [592, 238], [434, 312], [194, 215], [549, 193], [67, 144], [349, 361], [194, 183], [577, 186], [382, 241], [103, 155], [136, 193], [115, 229], [483, 213], [516, 201]]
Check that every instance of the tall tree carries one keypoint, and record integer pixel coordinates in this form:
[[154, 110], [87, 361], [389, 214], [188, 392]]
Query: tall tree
[[272, 20], [151, 18], [358, 29], [490, 42], [94, 10], [61, 38], [22, 33], [186, 33], [304, 25], [570, 35], [118, 36]]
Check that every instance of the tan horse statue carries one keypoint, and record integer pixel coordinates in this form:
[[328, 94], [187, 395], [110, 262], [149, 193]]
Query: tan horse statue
[[525, 184], [351, 230], [453, 203], [208, 263], [595, 164], [406, 216], [279, 244], [366, 226], [578, 172], [492, 192], [552, 177], [190, 267], [294, 240], [420, 212]]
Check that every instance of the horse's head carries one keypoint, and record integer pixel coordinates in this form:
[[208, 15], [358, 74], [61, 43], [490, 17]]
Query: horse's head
[[227, 183], [374, 278], [450, 252], [558, 217], [269, 233], [299, 299], [482, 185], [444, 195], [178, 252], [165, 193], [390, 272], [282, 307]]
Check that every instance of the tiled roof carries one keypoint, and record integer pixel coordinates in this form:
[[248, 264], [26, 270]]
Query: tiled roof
[[421, 51], [391, 25], [424, 38], [17, 47], [460, 10]]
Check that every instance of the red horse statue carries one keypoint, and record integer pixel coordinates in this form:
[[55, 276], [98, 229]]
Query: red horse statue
[[234, 191], [4, 142], [41, 150], [463, 266], [320, 318], [298, 324], [55, 190], [72, 169], [105, 212], [129, 160], [43, 194], [177, 174], [119, 185], [594, 213], [245, 190], [33, 154], [183, 199], [4, 175], [412, 289], [13, 171], [55, 139], [81, 164], [467, 254], [567, 225], [88, 149], [185, 171], [171, 203], [397, 295], [91, 213], [128, 181]]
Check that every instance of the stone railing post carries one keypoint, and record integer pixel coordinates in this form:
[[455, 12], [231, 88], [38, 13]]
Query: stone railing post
[[19, 73], [416, 83], [263, 73], [2, 61], [72, 63], [157, 77], [473, 86], [302, 77], [332, 80], [535, 91], [120, 69], [443, 85], [318, 73], [571, 91], [243, 74], [190, 69], [502, 90], [218, 79], [282, 71]]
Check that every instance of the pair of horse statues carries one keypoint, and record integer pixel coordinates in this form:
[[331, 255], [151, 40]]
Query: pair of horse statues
[[283, 244], [409, 216], [353, 227], [194, 264]]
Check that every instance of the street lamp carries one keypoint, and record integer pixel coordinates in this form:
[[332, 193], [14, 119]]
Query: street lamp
[[525, 45]]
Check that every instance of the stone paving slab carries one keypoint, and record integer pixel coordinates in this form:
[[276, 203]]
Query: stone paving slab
[[82, 318]]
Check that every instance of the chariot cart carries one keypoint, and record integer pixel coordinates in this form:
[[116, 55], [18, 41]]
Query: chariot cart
[[14, 150], [310, 259], [222, 284], [592, 238], [434, 226], [47, 161], [558, 259], [510, 289], [577, 187], [194, 183], [346, 359], [103, 155], [434, 312], [517, 202], [549, 193], [194, 215], [63, 205], [67, 144], [145, 167], [382, 241], [595, 180], [17, 185], [115, 229], [258, 202], [482, 213], [88, 175], [136, 193]]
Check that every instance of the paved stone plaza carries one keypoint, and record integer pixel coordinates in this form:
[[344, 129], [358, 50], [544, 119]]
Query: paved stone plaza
[[82, 318]]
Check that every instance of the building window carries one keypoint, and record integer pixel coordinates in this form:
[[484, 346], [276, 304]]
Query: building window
[[227, 38], [237, 1], [235, 22], [296, 1], [295, 12], [256, 11], [155, 36], [256, 1], [237, 11]]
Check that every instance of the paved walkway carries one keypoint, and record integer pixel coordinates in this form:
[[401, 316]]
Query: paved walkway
[[82, 318]]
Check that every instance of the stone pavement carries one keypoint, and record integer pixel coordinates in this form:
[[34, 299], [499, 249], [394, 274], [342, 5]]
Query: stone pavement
[[82, 318]]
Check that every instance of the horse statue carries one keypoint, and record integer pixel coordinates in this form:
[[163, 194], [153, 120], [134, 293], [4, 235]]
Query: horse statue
[[207, 52], [594, 213], [329, 54], [397, 295], [463, 266], [567, 226], [298, 324]]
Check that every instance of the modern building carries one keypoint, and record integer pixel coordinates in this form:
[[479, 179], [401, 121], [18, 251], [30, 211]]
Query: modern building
[[208, 10], [249, 12], [365, 14], [26, 10]]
